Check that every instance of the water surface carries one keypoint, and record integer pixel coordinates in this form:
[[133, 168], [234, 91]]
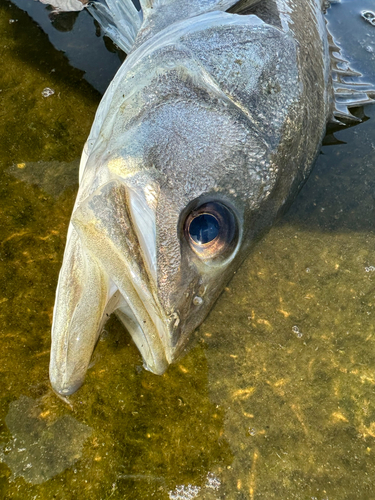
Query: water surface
[[276, 399]]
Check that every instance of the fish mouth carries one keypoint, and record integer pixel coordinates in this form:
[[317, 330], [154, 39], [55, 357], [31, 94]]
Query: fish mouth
[[70, 358], [103, 272], [146, 325], [76, 329]]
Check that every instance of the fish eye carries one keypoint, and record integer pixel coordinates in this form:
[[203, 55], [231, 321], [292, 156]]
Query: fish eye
[[211, 230], [204, 228]]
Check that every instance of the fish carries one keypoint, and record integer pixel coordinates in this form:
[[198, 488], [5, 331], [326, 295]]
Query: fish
[[201, 142]]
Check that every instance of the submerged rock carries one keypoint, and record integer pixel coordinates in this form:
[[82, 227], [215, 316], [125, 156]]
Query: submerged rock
[[39, 449]]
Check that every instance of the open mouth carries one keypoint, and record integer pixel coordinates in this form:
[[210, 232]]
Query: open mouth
[[146, 328], [104, 272]]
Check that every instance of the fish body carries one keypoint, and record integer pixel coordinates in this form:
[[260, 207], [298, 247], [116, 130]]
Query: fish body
[[206, 133]]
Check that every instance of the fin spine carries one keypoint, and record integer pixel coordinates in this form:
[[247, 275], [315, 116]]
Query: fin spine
[[119, 19], [347, 94]]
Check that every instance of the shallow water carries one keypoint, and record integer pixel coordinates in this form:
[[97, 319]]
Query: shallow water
[[277, 397]]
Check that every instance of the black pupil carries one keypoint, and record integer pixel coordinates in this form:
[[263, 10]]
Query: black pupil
[[204, 228]]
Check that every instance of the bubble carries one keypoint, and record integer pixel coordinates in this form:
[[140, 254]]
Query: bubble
[[184, 492], [296, 330], [213, 482], [368, 16], [47, 92]]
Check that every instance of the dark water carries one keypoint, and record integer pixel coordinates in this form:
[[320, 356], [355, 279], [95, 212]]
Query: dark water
[[276, 399]]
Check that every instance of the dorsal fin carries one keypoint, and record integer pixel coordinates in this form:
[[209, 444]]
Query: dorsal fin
[[350, 93], [119, 19]]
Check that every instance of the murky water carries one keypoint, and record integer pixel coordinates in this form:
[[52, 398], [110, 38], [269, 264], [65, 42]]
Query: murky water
[[277, 397]]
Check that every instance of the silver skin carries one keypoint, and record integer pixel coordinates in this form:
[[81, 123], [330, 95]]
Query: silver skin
[[209, 106]]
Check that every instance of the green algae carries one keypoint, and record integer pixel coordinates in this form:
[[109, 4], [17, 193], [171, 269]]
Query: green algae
[[276, 397]]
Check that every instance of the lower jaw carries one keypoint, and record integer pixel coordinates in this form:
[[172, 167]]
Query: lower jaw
[[148, 342]]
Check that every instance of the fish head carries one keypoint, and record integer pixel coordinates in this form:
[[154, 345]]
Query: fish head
[[171, 194]]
